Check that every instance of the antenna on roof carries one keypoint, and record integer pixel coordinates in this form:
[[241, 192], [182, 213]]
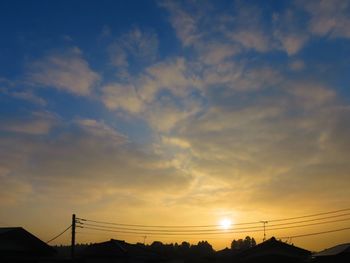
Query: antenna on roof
[[264, 223]]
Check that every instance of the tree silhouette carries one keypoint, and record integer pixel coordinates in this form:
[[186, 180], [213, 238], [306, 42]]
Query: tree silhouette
[[242, 244], [203, 248]]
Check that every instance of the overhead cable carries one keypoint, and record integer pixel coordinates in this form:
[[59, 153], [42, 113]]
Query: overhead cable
[[317, 233], [270, 227], [52, 239], [218, 226], [235, 231]]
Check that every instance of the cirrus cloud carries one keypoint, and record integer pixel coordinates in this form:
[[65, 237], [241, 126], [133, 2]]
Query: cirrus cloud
[[66, 71]]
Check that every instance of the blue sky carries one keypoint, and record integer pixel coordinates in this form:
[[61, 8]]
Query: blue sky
[[158, 107]]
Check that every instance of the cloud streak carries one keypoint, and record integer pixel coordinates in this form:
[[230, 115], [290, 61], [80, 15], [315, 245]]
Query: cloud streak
[[66, 71]]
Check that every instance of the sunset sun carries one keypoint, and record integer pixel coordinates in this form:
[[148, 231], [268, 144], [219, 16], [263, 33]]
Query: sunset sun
[[225, 223]]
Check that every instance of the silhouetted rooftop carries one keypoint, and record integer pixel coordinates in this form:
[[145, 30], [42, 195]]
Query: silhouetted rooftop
[[273, 247], [336, 250], [118, 249], [17, 241]]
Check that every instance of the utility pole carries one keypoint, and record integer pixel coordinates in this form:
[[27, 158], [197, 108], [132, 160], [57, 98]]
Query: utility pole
[[264, 222], [73, 236]]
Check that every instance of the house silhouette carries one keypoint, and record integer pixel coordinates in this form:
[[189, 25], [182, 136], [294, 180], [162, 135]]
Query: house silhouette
[[118, 251], [339, 253], [272, 251], [18, 245]]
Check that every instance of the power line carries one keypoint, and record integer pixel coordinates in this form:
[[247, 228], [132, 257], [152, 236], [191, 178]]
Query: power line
[[311, 215], [214, 230], [268, 227], [151, 236], [284, 237], [162, 226], [167, 233], [196, 232], [211, 226], [318, 233], [310, 220], [167, 230], [312, 224], [52, 239]]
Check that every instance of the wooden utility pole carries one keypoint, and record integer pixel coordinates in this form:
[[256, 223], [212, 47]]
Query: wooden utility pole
[[73, 236]]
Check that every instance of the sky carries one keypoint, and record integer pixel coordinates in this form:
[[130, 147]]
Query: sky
[[174, 113]]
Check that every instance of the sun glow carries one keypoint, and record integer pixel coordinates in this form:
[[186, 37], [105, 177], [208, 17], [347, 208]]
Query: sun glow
[[225, 223]]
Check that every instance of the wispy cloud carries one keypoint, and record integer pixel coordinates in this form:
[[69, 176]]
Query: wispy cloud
[[143, 94], [133, 50], [296, 65], [185, 23], [13, 191], [66, 71], [29, 96], [89, 148], [118, 96], [290, 31], [39, 123], [329, 18]]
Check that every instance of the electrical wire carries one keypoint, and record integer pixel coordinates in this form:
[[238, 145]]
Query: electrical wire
[[162, 233], [317, 233], [268, 227], [308, 220], [311, 215], [312, 224], [52, 239], [106, 229], [152, 237], [220, 230], [161, 226], [211, 226], [167, 230], [285, 237]]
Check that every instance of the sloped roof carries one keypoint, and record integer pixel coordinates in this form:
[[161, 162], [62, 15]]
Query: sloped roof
[[332, 251], [110, 248], [274, 247], [18, 240], [118, 249], [7, 229]]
